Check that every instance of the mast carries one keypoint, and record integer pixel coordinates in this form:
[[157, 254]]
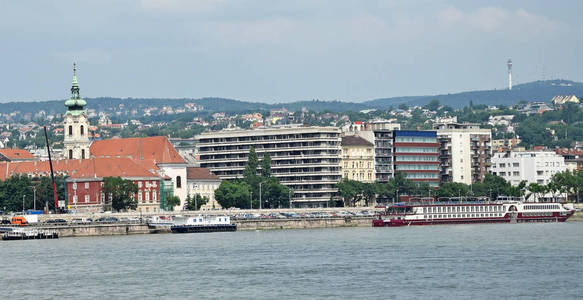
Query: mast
[[52, 173]]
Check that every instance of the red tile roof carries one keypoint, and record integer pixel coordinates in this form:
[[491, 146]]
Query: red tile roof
[[200, 173], [16, 154], [86, 168], [145, 151]]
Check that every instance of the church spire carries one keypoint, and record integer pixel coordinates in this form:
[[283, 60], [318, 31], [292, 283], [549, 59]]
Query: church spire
[[75, 104]]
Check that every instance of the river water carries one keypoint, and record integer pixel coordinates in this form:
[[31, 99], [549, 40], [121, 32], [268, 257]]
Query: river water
[[436, 262]]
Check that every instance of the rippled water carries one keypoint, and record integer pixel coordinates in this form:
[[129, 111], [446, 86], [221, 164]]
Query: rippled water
[[458, 261]]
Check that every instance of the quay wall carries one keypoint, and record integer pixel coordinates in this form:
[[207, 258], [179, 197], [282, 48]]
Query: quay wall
[[263, 224]]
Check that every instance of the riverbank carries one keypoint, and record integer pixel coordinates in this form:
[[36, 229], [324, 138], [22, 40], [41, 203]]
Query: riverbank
[[242, 225]]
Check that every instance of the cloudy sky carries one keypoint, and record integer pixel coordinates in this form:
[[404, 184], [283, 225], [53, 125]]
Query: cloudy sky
[[279, 51]]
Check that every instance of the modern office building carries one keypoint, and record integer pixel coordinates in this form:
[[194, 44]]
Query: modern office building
[[416, 154], [306, 159], [465, 152]]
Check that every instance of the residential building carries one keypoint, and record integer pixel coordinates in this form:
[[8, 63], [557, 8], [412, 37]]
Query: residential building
[[505, 145], [562, 99], [76, 125], [154, 154], [358, 159], [532, 166], [85, 185], [464, 152], [306, 159], [416, 154], [382, 137], [573, 158], [15, 155], [200, 181]]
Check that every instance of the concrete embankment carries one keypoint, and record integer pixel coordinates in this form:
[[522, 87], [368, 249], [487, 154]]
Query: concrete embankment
[[577, 216], [259, 224]]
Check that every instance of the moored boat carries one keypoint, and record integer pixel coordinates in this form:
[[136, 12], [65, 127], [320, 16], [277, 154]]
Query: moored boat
[[435, 213], [203, 224]]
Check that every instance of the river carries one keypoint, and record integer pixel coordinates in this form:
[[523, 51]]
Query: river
[[449, 261]]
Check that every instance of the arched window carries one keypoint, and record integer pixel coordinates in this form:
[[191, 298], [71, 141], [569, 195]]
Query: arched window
[[178, 182], [70, 154], [82, 151], [70, 130], [82, 130]]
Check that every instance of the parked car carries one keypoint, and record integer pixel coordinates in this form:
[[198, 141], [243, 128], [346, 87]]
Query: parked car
[[81, 221], [106, 220], [58, 222]]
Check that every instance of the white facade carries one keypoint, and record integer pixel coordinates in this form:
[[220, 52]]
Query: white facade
[[532, 166], [76, 143], [465, 150], [205, 188], [177, 172]]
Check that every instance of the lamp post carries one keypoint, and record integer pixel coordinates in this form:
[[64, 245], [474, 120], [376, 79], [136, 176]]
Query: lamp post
[[250, 199], [23, 203], [289, 198], [260, 195]]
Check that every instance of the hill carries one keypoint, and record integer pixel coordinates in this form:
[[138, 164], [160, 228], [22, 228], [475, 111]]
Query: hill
[[532, 91]]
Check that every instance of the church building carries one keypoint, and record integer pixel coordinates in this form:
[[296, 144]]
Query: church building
[[76, 125]]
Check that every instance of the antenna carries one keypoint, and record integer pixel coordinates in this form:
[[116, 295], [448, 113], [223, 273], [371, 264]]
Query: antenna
[[509, 64]]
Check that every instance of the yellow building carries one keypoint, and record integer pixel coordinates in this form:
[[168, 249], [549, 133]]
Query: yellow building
[[358, 159]]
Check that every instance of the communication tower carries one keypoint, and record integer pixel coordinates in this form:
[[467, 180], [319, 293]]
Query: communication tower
[[509, 64]]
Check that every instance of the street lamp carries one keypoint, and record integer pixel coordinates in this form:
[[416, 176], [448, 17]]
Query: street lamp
[[23, 203], [250, 199], [289, 198], [260, 195]]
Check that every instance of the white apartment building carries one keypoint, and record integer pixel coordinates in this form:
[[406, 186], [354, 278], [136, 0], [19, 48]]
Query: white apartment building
[[532, 166], [306, 159], [464, 152]]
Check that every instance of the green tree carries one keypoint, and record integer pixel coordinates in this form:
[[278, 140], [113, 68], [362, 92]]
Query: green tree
[[350, 191], [252, 164], [195, 202], [274, 194], [432, 105], [172, 202], [233, 194], [266, 165], [120, 193], [453, 189], [536, 189], [15, 190]]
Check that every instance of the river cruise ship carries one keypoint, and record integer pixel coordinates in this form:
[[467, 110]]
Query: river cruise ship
[[435, 213]]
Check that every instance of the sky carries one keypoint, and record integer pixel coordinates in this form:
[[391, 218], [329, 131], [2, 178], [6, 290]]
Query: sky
[[280, 51]]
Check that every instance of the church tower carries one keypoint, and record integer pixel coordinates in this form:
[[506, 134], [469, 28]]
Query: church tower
[[76, 124]]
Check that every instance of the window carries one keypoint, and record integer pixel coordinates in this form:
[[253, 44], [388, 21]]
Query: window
[[153, 183], [82, 131], [70, 130], [154, 196], [102, 198], [70, 154], [147, 196], [139, 196], [82, 153], [178, 182], [87, 198], [74, 185], [86, 185], [139, 184]]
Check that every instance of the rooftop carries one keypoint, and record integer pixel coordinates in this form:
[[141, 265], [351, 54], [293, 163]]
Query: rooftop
[[200, 173]]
